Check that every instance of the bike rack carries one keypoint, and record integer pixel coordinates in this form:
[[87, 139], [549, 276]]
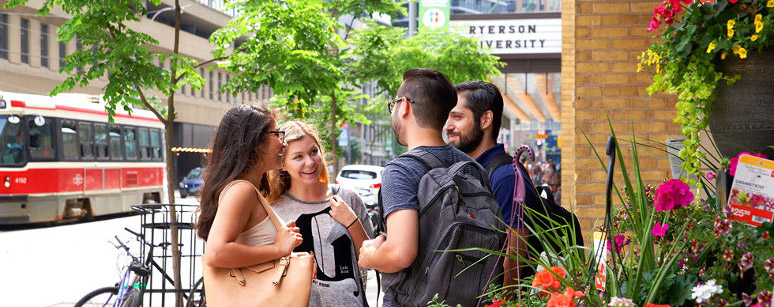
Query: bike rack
[[156, 227]]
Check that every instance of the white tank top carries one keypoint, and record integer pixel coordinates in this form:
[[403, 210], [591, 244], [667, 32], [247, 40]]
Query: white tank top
[[262, 233]]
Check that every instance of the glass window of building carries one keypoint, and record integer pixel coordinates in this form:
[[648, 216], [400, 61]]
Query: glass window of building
[[210, 81], [4, 36], [62, 53], [25, 40], [44, 45]]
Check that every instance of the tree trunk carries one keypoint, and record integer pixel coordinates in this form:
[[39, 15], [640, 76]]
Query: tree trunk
[[170, 168]]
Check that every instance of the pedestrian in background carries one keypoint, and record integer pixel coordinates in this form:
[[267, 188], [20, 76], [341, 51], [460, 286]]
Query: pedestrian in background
[[231, 219], [333, 221]]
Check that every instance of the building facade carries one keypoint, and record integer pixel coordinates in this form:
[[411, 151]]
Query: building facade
[[30, 57]]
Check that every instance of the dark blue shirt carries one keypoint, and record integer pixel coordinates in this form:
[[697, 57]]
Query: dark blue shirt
[[503, 180]]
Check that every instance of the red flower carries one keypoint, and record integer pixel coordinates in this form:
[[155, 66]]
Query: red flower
[[496, 303], [654, 305], [547, 280], [560, 300]]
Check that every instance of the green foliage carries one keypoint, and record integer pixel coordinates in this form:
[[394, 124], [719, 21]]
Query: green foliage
[[692, 43], [388, 55]]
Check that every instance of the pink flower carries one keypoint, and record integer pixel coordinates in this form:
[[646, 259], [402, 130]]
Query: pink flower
[[621, 241], [673, 194], [735, 161], [659, 230], [710, 176]]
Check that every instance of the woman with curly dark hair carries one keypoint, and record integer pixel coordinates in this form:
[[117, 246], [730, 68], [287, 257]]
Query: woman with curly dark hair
[[232, 220]]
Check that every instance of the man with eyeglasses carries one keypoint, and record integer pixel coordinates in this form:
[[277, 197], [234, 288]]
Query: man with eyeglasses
[[418, 115]]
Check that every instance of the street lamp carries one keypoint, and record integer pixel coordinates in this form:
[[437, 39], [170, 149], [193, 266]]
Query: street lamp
[[182, 8]]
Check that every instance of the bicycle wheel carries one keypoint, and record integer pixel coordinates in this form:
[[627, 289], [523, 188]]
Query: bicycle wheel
[[100, 297], [196, 296]]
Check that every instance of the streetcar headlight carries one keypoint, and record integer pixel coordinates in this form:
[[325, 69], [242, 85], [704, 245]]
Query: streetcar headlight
[[7, 184]]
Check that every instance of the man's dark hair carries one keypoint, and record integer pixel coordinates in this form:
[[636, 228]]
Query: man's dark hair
[[483, 96], [433, 95]]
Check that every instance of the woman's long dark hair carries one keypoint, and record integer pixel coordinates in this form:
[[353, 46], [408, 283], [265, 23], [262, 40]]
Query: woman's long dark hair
[[234, 153]]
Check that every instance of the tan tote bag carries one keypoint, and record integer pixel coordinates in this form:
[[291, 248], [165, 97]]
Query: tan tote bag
[[284, 282]]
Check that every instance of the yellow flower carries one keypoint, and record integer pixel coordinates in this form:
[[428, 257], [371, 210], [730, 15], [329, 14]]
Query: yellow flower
[[710, 47], [730, 33], [736, 48], [758, 18], [770, 3], [730, 25], [639, 67], [754, 38], [758, 26], [723, 56], [742, 53]]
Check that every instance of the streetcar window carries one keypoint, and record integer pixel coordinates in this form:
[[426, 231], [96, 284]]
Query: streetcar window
[[41, 138], [155, 138], [130, 143], [86, 136], [11, 141], [115, 143], [142, 136], [100, 141], [69, 140]]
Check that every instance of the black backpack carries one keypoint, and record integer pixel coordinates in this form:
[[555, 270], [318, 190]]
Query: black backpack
[[549, 208], [457, 211]]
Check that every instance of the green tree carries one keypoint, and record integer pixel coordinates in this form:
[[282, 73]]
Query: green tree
[[317, 64], [112, 48]]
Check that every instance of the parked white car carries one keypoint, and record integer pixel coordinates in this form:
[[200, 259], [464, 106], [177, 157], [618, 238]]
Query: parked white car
[[363, 179]]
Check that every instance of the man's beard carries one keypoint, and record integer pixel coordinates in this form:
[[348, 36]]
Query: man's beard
[[396, 128], [468, 142]]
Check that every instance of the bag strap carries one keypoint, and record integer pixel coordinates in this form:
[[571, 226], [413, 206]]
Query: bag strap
[[273, 216], [496, 162], [428, 159]]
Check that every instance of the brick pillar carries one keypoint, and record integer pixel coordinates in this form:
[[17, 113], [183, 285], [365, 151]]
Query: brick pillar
[[14, 38], [601, 42]]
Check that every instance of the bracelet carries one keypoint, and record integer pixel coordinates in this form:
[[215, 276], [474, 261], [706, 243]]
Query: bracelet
[[353, 223]]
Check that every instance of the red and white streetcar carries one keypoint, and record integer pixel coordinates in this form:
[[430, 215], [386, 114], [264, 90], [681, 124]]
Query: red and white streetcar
[[60, 158]]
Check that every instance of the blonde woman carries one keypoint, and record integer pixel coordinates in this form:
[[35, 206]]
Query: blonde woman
[[333, 221]]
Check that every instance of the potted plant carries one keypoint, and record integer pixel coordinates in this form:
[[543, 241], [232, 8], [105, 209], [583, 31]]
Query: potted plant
[[698, 39]]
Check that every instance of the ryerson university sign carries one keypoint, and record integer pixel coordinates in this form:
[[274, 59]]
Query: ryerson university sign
[[514, 36]]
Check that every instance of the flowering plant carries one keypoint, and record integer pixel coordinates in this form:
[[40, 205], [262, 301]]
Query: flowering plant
[[694, 35]]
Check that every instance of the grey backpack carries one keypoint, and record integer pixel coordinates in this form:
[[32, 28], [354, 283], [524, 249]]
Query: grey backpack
[[457, 211]]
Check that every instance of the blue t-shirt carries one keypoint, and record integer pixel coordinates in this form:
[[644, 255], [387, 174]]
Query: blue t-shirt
[[400, 185], [503, 180]]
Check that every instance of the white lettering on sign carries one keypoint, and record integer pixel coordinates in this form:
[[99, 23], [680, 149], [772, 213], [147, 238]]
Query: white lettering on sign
[[20, 180], [514, 36]]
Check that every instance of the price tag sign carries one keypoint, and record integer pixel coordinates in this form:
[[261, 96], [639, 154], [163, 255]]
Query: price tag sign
[[600, 250], [752, 192]]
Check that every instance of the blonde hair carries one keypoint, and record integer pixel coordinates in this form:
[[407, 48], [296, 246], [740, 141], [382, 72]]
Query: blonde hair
[[279, 180]]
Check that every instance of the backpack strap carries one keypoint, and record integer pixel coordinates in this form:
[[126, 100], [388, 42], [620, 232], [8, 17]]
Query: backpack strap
[[496, 162], [428, 159]]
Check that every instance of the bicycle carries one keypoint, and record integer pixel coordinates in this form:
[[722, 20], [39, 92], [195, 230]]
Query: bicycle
[[196, 297], [129, 291]]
